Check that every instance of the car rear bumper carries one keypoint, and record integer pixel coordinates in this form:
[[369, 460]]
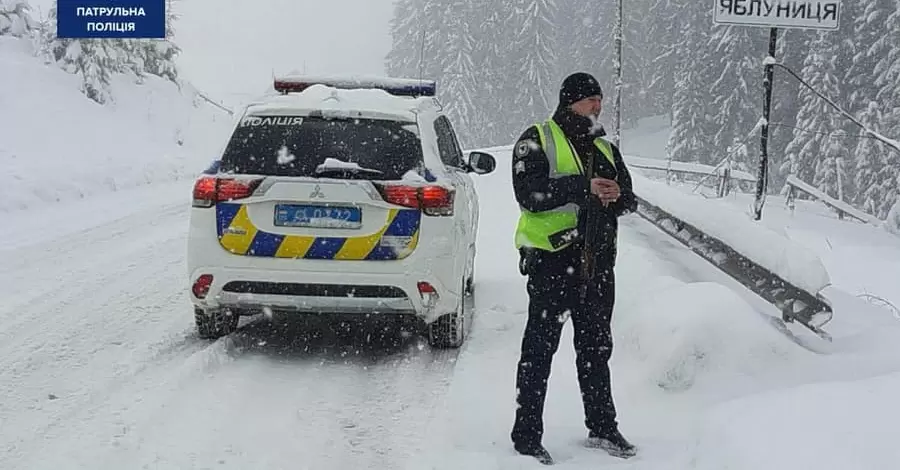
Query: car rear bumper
[[254, 290], [321, 298]]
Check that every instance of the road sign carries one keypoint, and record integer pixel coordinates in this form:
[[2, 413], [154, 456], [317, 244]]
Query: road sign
[[802, 14], [111, 19], [774, 14]]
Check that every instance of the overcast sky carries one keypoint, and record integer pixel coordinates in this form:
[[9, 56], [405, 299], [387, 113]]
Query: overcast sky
[[231, 47]]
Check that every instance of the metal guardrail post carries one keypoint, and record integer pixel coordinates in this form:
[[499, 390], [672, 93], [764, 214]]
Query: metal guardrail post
[[791, 199], [724, 183]]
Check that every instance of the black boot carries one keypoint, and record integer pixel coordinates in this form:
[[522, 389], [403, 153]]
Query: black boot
[[613, 442], [538, 452]]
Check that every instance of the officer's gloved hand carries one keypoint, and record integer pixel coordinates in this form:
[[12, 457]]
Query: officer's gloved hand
[[526, 261]]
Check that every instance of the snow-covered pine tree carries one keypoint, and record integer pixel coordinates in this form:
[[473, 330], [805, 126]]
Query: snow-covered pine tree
[[831, 172], [158, 55], [495, 94], [874, 174], [887, 69], [438, 40], [736, 92], [434, 32], [96, 61], [15, 18], [793, 45], [814, 152], [878, 166], [692, 119], [585, 36], [406, 42], [839, 169], [869, 43], [532, 61], [459, 77], [487, 55], [662, 37], [637, 56]]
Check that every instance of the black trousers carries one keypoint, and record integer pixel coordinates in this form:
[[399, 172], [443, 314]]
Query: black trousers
[[555, 294]]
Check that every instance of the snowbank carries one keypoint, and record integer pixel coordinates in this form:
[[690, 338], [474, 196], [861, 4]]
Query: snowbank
[[690, 357], [57, 145], [790, 261], [824, 426], [694, 334], [861, 259]]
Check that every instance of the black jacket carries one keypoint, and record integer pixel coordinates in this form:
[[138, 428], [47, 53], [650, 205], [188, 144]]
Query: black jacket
[[536, 191]]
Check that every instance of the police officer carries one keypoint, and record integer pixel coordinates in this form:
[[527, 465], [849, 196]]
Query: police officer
[[571, 185]]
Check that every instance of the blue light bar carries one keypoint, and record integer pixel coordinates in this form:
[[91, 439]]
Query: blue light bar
[[394, 86]]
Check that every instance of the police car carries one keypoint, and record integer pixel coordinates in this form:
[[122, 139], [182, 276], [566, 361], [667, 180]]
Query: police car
[[338, 196]]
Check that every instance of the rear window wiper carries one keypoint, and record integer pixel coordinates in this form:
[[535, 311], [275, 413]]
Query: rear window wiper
[[332, 166]]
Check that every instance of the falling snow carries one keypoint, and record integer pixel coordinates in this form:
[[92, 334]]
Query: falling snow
[[284, 156]]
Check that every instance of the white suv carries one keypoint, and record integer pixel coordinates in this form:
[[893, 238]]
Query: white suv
[[338, 196]]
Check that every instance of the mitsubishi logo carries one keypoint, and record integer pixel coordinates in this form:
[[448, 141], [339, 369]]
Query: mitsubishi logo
[[317, 193]]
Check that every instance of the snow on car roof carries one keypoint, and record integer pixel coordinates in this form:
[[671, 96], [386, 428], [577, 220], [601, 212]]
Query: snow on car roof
[[339, 102]]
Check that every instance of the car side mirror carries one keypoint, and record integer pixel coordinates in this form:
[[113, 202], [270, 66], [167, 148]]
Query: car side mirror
[[482, 163]]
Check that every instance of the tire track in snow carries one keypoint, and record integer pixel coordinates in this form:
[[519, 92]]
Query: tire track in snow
[[37, 276], [269, 396], [65, 351], [106, 372]]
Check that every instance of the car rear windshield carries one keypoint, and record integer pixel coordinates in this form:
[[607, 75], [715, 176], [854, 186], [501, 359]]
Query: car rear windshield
[[323, 147]]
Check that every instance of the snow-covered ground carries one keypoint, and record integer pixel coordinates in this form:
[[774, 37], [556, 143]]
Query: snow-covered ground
[[701, 379], [100, 368], [56, 145], [859, 258]]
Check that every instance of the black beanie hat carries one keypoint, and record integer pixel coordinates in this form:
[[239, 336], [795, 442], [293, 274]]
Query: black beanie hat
[[578, 86]]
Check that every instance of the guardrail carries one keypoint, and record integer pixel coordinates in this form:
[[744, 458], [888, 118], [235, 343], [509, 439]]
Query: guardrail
[[795, 184], [811, 310], [724, 175], [686, 167]]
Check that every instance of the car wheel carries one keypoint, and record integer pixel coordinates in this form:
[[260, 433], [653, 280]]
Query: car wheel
[[449, 330], [214, 324]]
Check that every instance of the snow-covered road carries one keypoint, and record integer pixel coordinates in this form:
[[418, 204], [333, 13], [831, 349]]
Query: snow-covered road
[[100, 369]]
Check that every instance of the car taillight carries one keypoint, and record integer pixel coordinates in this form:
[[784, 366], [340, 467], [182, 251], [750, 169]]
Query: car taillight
[[432, 200], [201, 286], [208, 190], [428, 293]]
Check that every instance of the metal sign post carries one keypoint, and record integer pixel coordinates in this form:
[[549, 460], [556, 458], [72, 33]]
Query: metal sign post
[[762, 181], [774, 14], [617, 137]]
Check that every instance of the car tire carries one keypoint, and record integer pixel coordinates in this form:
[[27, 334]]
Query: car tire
[[214, 324], [449, 330], [470, 281]]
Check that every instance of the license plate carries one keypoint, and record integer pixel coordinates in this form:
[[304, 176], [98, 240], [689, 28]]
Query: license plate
[[290, 215]]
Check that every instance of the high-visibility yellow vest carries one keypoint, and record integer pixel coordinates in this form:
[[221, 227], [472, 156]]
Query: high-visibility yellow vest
[[557, 228]]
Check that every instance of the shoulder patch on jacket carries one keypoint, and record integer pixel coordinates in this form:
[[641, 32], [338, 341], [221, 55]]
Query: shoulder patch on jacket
[[524, 147]]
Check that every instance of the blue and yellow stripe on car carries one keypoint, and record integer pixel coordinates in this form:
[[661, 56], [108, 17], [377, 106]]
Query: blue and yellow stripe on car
[[396, 240]]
